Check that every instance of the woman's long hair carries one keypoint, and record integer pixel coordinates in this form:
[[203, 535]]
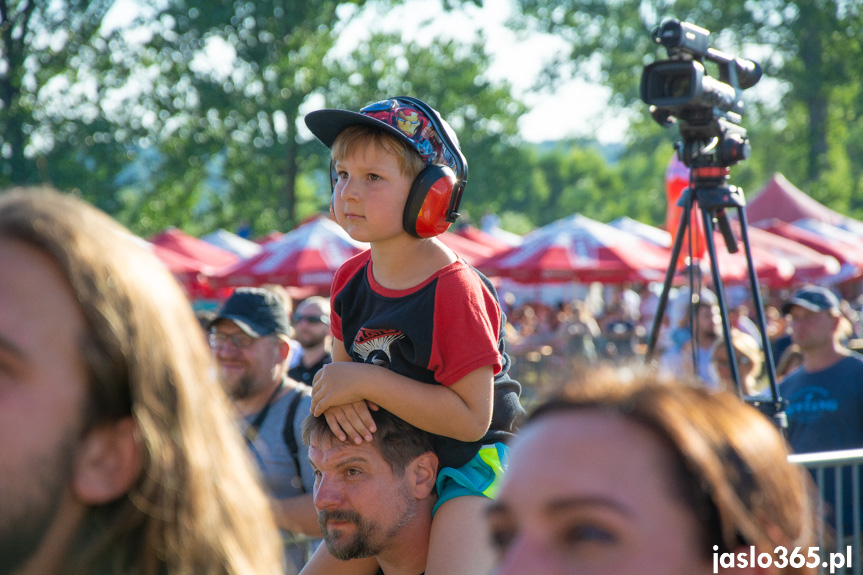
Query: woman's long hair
[[198, 506]]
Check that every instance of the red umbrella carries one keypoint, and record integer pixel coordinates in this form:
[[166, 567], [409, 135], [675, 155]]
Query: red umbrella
[[189, 272], [481, 237], [579, 249], [307, 256], [471, 251], [193, 248]]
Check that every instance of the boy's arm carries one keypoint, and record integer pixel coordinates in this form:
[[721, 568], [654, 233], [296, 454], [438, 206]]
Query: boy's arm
[[461, 411]]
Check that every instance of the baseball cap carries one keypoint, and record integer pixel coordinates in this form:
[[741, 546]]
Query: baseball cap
[[256, 311], [412, 121], [813, 298]]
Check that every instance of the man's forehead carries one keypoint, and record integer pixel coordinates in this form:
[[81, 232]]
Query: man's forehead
[[312, 307], [226, 325], [326, 448]]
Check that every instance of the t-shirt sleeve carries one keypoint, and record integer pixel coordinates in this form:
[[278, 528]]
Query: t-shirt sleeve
[[466, 327], [341, 278]]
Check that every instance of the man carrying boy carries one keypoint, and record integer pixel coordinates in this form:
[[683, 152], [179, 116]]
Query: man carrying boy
[[384, 508], [417, 331]]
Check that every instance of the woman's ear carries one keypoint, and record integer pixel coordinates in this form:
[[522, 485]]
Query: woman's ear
[[108, 464]]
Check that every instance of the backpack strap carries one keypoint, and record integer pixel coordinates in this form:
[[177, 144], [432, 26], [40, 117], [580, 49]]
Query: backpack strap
[[288, 431]]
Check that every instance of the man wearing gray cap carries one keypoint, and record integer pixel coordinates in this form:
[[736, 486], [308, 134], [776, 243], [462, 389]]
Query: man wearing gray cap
[[249, 337]]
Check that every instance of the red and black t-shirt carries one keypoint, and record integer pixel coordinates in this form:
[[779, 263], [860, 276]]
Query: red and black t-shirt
[[436, 332]]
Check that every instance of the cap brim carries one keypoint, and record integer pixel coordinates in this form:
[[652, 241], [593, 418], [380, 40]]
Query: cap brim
[[247, 328], [805, 304], [327, 124]]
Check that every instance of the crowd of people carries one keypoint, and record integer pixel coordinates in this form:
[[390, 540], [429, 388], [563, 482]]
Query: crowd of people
[[381, 430]]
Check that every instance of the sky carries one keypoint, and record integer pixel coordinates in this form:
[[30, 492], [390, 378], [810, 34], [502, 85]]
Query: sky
[[574, 109]]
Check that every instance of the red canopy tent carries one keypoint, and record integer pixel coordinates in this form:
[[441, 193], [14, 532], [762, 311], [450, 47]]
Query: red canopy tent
[[779, 262], [579, 249], [770, 269], [193, 248], [782, 200], [849, 255], [810, 266], [305, 257]]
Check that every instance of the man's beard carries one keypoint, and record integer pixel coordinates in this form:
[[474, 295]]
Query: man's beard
[[368, 540], [309, 341], [243, 388], [27, 515]]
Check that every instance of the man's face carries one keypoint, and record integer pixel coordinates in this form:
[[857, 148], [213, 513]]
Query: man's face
[[812, 329], [310, 328], [42, 398], [248, 366], [362, 505]]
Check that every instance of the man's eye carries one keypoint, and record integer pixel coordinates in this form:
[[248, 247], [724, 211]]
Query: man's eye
[[352, 471]]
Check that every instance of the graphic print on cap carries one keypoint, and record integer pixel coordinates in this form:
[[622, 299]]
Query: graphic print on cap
[[415, 126]]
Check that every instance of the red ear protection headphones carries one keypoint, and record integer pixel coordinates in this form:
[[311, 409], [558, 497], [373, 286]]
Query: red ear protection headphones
[[435, 195]]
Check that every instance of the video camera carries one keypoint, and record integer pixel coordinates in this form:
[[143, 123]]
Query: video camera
[[680, 88]]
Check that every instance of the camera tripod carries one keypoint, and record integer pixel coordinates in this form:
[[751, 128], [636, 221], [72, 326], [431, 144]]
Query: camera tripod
[[709, 190]]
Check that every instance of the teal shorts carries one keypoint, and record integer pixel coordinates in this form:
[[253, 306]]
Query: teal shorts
[[479, 476]]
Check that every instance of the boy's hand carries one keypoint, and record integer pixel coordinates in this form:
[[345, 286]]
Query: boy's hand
[[337, 394], [352, 422]]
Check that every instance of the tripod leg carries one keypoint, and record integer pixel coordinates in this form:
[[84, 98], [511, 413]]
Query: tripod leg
[[686, 200], [720, 296], [779, 414]]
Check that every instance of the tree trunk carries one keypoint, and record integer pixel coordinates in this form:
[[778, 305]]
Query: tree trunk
[[815, 96]]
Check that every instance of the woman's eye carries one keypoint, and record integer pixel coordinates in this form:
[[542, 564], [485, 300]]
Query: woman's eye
[[374, 177], [501, 538], [588, 534]]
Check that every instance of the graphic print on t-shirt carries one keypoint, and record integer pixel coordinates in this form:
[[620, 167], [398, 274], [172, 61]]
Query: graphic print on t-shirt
[[373, 345]]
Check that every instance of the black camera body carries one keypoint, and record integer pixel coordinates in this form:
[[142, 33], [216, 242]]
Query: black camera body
[[680, 89]]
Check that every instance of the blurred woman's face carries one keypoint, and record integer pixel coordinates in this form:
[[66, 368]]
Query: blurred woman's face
[[589, 493], [745, 367]]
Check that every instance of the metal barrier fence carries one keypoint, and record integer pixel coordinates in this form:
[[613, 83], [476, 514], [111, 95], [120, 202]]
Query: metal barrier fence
[[837, 475]]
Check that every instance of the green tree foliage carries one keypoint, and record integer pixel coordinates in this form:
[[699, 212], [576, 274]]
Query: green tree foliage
[[229, 81], [451, 77], [54, 77], [811, 52]]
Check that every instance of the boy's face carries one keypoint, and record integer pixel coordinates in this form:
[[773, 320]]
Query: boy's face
[[370, 194]]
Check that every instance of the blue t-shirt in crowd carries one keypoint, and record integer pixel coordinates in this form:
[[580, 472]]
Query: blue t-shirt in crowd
[[825, 413]]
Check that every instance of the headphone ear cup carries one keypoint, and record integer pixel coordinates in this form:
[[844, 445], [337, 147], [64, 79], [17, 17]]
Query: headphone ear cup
[[429, 201]]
